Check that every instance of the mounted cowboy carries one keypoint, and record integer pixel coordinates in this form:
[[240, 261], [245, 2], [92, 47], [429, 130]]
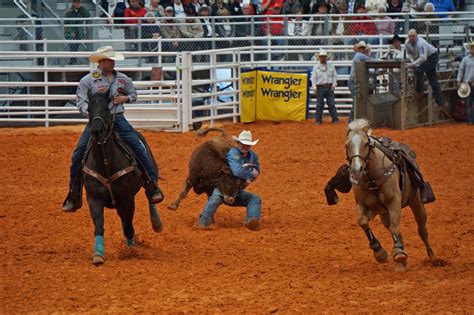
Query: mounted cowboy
[[105, 79]]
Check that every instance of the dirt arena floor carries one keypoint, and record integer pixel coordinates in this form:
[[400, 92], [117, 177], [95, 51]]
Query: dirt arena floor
[[308, 257]]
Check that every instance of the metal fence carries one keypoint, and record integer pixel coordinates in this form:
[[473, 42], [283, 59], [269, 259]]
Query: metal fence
[[203, 33], [38, 77]]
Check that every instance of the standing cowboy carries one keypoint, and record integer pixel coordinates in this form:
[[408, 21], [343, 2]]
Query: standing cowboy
[[243, 163], [424, 59], [466, 78], [324, 81], [105, 79]]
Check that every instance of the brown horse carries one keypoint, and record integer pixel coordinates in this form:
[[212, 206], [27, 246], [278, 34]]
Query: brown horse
[[383, 186]]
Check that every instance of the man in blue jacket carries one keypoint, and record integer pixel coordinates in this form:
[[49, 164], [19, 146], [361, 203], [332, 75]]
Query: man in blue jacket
[[244, 163]]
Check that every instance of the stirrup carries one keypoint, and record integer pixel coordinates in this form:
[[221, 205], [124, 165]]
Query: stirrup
[[70, 205], [156, 196]]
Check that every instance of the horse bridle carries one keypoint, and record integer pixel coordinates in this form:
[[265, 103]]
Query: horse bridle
[[106, 181], [363, 158], [107, 136]]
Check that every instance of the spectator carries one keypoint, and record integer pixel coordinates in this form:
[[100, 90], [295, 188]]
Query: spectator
[[131, 31], [179, 9], [169, 29], [396, 6], [338, 29], [150, 29], [297, 26], [224, 29], [324, 81], [244, 28], [289, 5], [236, 8], [205, 13], [429, 28], [424, 59], [319, 27], [273, 26], [192, 28], [156, 8], [75, 15], [195, 5], [268, 6], [466, 75], [365, 27], [372, 6], [384, 24], [334, 7], [217, 6], [443, 6], [361, 54], [166, 3], [352, 5], [119, 12]]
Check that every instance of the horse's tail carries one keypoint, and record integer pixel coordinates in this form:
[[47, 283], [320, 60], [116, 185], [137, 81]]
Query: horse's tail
[[203, 132]]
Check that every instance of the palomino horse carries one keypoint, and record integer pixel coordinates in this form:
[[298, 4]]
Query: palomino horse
[[376, 182], [112, 178]]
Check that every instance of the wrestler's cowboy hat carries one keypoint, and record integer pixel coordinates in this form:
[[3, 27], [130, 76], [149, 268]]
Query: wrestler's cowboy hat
[[245, 137], [358, 45], [106, 52], [464, 90]]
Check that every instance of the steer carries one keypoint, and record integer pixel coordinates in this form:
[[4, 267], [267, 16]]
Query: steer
[[208, 169]]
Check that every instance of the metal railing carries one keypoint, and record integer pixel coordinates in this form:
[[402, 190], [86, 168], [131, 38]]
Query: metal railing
[[188, 96]]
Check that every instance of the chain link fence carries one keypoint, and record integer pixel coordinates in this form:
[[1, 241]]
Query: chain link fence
[[204, 33]]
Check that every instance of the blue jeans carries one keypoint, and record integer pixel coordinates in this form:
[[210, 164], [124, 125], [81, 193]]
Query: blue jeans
[[128, 135], [429, 67], [469, 106], [322, 93], [243, 199]]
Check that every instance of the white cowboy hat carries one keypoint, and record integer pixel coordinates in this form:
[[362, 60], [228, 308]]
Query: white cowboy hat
[[322, 52], [360, 44], [464, 90], [106, 52], [245, 137], [467, 46]]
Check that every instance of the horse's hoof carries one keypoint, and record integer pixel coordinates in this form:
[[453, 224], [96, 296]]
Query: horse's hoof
[[381, 255], [400, 257], [173, 207], [98, 260], [157, 226], [400, 267], [131, 242]]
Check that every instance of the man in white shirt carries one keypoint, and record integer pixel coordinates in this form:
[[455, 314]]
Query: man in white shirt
[[324, 81]]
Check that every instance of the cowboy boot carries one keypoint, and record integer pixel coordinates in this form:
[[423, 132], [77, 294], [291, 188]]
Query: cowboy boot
[[73, 200], [154, 193]]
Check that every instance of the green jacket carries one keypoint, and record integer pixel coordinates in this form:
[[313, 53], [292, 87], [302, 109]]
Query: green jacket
[[76, 32]]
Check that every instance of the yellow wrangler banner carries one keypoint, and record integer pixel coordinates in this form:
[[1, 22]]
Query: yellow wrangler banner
[[248, 98], [273, 96]]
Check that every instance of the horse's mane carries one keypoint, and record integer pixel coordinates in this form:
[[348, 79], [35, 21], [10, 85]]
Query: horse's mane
[[358, 125]]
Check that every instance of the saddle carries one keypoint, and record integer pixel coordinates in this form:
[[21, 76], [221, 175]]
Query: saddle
[[405, 158], [401, 155]]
